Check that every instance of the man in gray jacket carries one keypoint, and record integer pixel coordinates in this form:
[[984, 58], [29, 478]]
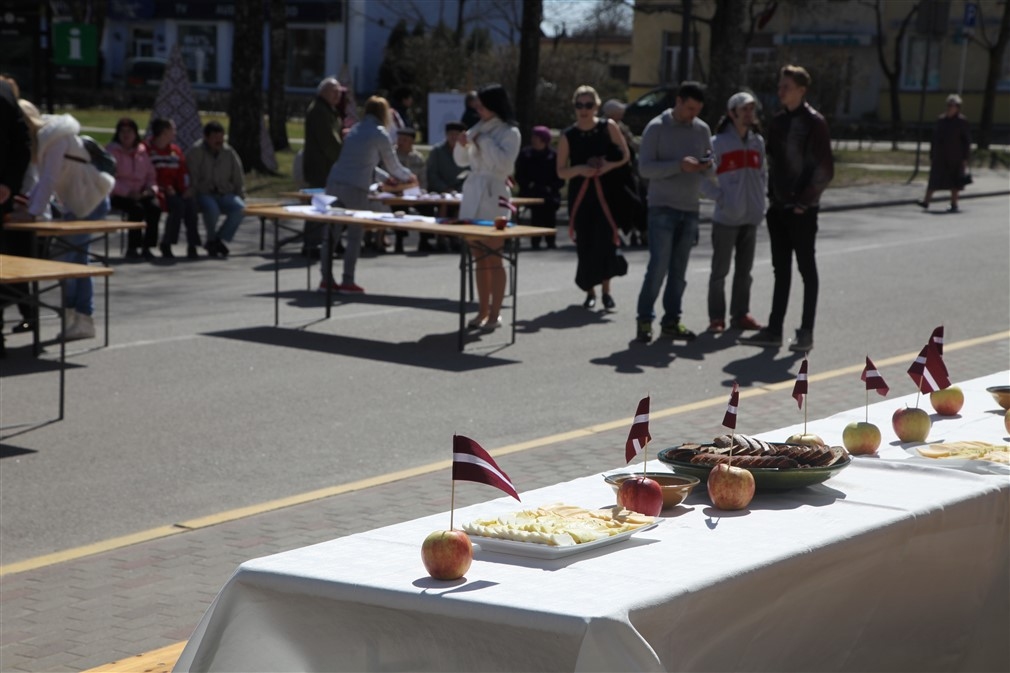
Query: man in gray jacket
[[676, 151], [218, 180]]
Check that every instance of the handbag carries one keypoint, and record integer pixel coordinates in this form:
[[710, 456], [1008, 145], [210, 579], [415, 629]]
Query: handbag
[[618, 264], [966, 179]]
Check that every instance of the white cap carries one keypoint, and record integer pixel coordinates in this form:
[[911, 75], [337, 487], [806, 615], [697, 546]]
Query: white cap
[[738, 99]]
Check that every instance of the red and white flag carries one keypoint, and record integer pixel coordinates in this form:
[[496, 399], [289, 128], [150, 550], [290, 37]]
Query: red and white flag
[[934, 372], [639, 435], [506, 202], [729, 420], [800, 387], [470, 462], [874, 381], [936, 338]]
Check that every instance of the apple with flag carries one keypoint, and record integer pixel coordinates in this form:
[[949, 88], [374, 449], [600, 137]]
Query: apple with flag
[[911, 424], [947, 402], [447, 554], [642, 495], [861, 438], [730, 487]]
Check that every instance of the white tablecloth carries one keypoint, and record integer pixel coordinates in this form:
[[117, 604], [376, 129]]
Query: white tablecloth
[[893, 564]]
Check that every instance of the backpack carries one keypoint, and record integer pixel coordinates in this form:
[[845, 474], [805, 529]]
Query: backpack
[[100, 157]]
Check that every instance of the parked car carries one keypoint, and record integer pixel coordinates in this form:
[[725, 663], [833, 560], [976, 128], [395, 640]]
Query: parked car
[[142, 80], [649, 105]]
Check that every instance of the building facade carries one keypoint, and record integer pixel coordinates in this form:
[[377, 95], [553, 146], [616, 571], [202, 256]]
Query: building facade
[[836, 40]]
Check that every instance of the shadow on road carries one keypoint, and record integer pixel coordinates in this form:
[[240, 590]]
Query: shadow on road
[[432, 352]]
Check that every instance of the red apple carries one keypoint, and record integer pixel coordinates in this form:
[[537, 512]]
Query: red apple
[[447, 554], [911, 425], [730, 487], [642, 495], [947, 402], [808, 439], [861, 438]]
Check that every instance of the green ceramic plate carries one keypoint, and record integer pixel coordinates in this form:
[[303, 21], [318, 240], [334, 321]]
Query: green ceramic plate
[[765, 478]]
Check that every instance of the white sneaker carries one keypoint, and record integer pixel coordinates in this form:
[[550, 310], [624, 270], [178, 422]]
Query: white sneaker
[[69, 315], [82, 328]]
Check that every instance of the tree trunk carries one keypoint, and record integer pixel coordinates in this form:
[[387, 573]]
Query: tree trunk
[[529, 66], [727, 53], [991, 79], [276, 103], [245, 106]]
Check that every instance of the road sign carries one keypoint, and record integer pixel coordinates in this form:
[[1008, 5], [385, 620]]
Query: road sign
[[75, 44]]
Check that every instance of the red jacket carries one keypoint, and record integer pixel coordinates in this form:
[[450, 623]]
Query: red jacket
[[170, 167]]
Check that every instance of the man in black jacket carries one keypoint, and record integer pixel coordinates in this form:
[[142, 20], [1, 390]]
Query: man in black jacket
[[800, 166]]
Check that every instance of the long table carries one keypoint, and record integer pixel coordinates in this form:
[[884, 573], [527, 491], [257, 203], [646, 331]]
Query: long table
[[56, 231], [16, 270], [894, 564], [471, 233]]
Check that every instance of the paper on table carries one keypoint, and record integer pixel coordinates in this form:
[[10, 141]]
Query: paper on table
[[321, 202]]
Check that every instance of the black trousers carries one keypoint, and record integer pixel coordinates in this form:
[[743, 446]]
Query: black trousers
[[140, 210], [792, 233]]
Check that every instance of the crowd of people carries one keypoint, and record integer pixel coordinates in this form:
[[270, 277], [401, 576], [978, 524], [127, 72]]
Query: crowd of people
[[647, 189]]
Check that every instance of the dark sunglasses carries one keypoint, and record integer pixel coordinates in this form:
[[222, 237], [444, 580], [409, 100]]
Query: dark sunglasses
[[585, 106]]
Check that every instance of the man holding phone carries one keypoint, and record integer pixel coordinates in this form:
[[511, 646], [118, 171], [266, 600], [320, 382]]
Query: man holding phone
[[676, 151]]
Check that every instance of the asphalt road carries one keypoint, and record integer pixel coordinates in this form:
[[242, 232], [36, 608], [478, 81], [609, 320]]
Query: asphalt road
[[199, 405]]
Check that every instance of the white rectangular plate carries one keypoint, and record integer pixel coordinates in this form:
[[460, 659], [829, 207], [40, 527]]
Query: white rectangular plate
[[546, 551]]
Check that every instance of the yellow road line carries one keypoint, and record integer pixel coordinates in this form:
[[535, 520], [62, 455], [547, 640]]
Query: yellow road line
[[540, 442]]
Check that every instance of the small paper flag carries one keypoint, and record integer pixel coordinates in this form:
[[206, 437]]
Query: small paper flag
[[639, 435], [936, 338], [729, 420], [800, 387], [934, 372], [470, 462], [506, 202], [874, 381]]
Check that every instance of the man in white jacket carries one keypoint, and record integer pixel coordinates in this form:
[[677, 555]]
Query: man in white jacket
[[738, 189]]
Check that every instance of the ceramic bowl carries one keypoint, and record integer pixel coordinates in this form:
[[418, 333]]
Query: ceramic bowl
[[675, 487], [1001, 394]]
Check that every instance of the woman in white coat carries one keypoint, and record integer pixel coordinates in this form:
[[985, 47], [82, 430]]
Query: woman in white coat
[[489, 149], [66, 172]]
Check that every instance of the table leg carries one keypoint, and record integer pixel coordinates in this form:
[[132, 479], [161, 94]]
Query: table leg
[[277, 274], [36, 341], [105, 263], [329, 258], [464, 250], [513, 258], [63, 344], [263, 233]]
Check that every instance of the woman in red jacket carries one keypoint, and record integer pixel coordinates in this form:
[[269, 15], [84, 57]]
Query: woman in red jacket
[[173, 188], [136, 188]]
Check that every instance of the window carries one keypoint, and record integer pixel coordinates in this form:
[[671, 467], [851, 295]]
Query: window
[[142, 43], [915, 56], [1003, 83], [670, 66], [306, 57], [198, 44]]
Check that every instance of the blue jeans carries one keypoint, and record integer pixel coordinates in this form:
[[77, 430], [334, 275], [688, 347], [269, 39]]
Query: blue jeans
[[80, 292], [671, 236], [212, 205]]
